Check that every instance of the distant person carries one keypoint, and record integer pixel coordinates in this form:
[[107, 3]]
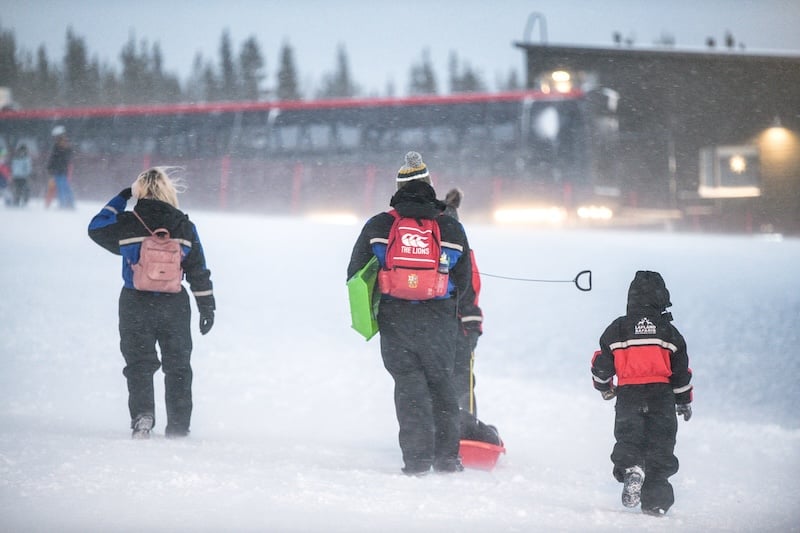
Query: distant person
[[154, 306], [58, 166], [5, 176], [21, 171], [418, 333], [471, 322], [648, 356]]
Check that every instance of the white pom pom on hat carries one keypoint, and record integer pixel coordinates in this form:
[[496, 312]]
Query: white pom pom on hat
[[413, 169], [58, 130]]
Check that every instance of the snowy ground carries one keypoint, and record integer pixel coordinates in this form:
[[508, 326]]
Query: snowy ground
[[294, 426]]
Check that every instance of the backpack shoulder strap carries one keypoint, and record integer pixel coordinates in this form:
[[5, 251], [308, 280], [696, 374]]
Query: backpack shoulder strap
[[391, 237], [142, 221], [160, 232]]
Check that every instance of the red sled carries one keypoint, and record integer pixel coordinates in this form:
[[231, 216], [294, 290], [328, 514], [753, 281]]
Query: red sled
[[480, 455]]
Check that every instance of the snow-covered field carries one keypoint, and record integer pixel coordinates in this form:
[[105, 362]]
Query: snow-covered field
[[294, 428]]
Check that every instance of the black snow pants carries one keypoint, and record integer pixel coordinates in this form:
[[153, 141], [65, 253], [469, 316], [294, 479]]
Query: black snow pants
[[462, 375], [645, 429], [147, 318], [418, 349]]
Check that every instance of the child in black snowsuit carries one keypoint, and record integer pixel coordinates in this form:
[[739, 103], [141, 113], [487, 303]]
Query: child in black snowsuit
[[648, 356], [471, 319]]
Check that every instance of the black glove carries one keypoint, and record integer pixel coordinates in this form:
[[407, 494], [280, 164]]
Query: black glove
[[206, 305], [685, 410], [206, 320], [472, 338], [609, 394], [126, 193]]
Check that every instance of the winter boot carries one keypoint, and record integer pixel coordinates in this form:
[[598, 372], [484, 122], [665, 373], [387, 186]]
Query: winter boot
[[172, 432], [448, 466], [416, 470], [654, 511], [632, 486], [141, 427], [496, 440]]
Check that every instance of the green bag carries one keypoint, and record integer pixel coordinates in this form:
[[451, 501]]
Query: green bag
[[364, 299]]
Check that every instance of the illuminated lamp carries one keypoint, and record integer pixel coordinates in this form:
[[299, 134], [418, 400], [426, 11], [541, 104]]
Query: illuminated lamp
[[530, 215], [562, 81], [595, 212], [737, 164]]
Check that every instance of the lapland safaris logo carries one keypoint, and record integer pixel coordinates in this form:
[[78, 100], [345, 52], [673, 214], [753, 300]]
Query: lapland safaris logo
[[645, 327]]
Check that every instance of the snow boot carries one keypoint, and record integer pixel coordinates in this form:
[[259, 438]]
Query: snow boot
[[175, 433], [496, 440], [654, 511], [448, 466], [632, 486], [416, 470], [141, 427]]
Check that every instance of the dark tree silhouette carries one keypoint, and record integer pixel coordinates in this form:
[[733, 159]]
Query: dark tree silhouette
[[227, 79], [422, 79], [340, 83], [288, 88], [251, 66]]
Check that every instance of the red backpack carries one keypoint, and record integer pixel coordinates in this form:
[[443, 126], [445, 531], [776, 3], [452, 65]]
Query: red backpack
[[159, 267], [416, 268]]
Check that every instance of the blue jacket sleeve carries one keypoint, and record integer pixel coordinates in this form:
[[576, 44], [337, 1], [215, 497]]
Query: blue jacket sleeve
[[101, 227]]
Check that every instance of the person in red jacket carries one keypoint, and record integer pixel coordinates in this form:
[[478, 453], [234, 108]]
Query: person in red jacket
[[471, 320], [648, 356]]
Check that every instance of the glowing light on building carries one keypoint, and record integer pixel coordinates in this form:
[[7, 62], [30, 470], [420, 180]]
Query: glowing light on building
[[737, 164], [562, 81], [530, 215], [595, 212]]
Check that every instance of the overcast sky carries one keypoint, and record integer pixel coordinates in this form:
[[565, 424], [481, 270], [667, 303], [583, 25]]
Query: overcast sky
[[384, 38]]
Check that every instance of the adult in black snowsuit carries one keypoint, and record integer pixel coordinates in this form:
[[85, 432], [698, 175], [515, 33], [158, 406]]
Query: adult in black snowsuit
[[418, 338], [148, 318], [648, 356]]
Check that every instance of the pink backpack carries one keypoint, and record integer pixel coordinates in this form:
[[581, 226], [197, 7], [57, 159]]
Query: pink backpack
[[159, 267]]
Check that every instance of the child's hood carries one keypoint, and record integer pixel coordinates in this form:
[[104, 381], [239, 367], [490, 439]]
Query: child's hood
[[648, 292]]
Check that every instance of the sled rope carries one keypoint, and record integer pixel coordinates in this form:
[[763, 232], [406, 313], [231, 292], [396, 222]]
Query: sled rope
[[576, 280]]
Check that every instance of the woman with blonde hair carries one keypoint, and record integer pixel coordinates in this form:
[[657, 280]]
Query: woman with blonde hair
[[159, 245]]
